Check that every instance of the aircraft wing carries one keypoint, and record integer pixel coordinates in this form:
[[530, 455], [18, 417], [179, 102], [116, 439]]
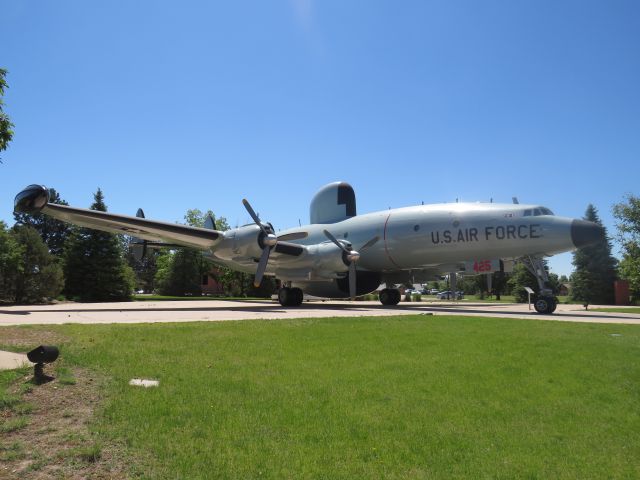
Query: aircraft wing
[[34, 199]]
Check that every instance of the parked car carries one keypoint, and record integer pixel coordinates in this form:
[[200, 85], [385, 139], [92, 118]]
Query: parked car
[[434, 291], [449, 295]]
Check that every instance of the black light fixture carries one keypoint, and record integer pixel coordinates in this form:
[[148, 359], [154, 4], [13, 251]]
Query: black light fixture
[[41, 355]]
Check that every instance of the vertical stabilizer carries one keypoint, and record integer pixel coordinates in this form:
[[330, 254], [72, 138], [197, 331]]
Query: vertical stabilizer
[[333, 203]]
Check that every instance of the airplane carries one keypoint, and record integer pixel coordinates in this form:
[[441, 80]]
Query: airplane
[[341, 254]]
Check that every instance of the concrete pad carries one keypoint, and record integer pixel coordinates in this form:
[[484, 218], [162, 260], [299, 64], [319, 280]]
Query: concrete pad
[[10, 360], [219, 310]]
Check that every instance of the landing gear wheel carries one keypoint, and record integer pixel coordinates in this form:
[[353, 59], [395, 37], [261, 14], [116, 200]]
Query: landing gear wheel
[[545, 305], [283, 296], [290, 297], [389, 296], [297, 297]]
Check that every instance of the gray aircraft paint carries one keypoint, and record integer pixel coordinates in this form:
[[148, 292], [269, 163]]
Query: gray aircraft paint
[[419, 241]]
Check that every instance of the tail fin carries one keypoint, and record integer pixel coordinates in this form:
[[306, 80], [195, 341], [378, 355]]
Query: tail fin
[[210, 222], [138, 246]]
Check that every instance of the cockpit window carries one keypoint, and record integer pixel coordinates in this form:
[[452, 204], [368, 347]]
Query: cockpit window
[[536, 212]]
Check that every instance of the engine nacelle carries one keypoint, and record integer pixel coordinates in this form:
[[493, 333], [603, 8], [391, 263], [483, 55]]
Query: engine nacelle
[[244, 241], [327, 259]]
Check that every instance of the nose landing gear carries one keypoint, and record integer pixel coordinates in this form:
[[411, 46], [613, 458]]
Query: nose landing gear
[[545, 305], [545, 301]]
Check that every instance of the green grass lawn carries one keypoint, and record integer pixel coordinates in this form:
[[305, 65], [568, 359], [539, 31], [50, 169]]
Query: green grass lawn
[[395, 397]]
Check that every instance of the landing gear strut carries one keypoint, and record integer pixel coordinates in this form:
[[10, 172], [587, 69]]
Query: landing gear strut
[[389, 296], [290, 297], [545, 301]]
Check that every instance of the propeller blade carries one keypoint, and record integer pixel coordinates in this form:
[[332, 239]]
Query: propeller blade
[[352, 280], [370, 243], [262, 266], [253, 215], [335, 240]]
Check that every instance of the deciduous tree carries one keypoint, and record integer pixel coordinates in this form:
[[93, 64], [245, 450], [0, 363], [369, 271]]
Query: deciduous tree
[[40, 276], [628, 215], [28, 272], [10, 264], [6, 127], [180, 272]]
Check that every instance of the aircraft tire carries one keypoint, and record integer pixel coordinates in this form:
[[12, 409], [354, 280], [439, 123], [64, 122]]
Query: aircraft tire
[[296, 297], [290, 297], [283, 296], [389, 296], [545, 305]]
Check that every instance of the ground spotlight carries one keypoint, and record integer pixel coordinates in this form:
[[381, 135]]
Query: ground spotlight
[[41, 355]]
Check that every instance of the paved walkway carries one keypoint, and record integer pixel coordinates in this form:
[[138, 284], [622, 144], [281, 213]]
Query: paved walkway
[[10, 360], [218, 310]]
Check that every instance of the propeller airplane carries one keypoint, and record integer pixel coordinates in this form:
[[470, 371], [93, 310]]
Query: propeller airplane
[[410, 244]]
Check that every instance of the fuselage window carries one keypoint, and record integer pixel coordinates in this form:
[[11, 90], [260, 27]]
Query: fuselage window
[[537, 212], [416, 228], [527, 213]]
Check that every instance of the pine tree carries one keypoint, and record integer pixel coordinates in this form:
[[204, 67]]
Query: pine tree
[[95, 268], [595, 273], [52, 231]]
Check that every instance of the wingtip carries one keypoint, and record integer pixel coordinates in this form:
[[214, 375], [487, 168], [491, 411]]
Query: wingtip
[[32, 199]]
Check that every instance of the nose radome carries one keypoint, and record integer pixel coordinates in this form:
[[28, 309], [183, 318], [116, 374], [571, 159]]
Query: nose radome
[[585, 233]]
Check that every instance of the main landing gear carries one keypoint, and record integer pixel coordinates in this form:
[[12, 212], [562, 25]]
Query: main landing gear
[[290, 297], [545, 301], [389, 296]]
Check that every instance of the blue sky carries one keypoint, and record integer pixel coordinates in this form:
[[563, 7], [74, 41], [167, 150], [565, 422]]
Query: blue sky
[[177, 105]]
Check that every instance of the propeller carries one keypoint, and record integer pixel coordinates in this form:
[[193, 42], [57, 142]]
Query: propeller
[[268, 240], [351, 256]]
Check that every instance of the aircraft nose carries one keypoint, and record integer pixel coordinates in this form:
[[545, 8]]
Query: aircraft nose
[[585, 233]]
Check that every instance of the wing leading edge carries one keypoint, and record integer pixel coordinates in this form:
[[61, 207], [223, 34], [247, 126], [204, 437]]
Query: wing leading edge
[[35, 199]]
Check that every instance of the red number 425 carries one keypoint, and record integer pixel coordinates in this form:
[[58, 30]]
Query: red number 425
[[482, 266]]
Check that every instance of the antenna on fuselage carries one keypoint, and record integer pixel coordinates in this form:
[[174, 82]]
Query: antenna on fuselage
[[515, 200]]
